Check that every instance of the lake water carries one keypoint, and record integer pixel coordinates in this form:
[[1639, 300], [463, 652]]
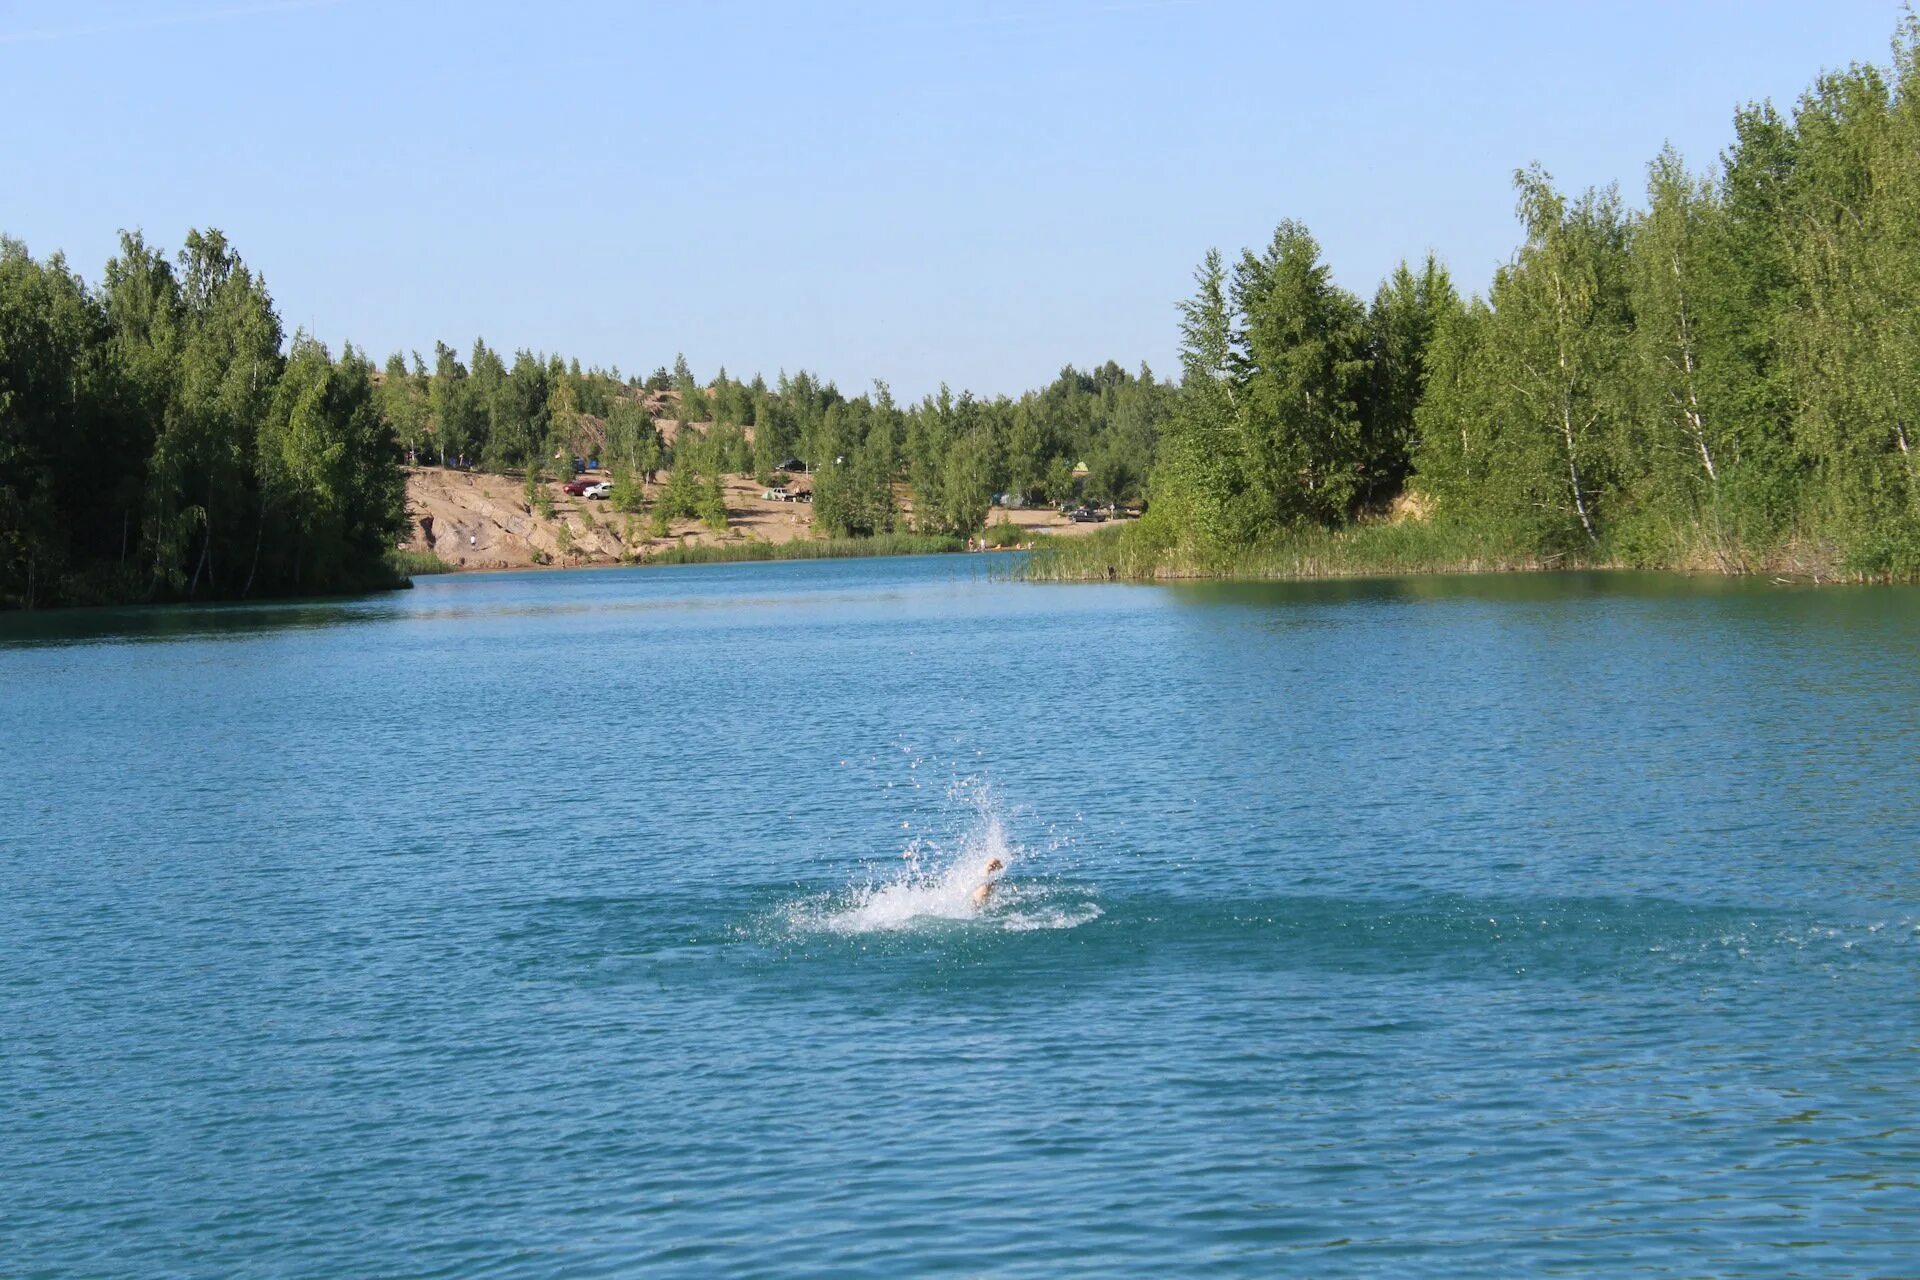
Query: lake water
[[559, 925]]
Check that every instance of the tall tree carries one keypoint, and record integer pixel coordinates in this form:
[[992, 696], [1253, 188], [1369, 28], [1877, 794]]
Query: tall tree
[[1557, 350], [1203, 493], [1300, 361], [1688, 362], [1406, 311], [229, 364]]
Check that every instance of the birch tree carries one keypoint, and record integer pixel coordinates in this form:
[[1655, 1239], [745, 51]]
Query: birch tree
[[1556, 350]]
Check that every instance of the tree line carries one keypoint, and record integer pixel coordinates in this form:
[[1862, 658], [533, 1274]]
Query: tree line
[[1726, 378], [876, 465]]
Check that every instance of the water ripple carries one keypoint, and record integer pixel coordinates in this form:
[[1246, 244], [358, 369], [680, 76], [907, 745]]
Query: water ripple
[[595, 925]]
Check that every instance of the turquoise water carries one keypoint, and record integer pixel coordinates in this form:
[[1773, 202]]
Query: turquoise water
[[559, 925]]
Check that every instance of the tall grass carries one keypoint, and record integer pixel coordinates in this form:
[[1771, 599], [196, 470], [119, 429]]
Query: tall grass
[[1134, 552], [883, 544], [1141, 551], [408, 563]]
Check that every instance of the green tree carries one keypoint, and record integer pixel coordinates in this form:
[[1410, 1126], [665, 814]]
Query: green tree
[[836, 504], [1454, 444], [1852, 342], [1026, 460], [873, 469], [456, 411], [1301, 365], [205, 509], [328, 484], [52, 335], [929, 435], [1400, 328], [402, 397], [966, 487], [1554, 359], [693, 406], [520, 424], [1688, 363], [497, 440], [1203, 497]]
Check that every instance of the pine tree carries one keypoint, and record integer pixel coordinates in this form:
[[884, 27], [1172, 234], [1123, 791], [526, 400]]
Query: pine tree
[[1300, 361], [1202, 494], [1406, 312]]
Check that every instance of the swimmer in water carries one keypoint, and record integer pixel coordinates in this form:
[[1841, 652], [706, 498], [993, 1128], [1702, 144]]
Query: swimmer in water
[[983, 892]]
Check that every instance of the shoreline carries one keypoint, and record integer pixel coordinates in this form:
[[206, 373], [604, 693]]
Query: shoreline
[[729, 553], [468, 520], [1408, 549], [1169, 577]]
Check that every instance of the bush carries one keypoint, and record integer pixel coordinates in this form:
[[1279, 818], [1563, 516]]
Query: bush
[[1005, 534], [1143, 550], [713, 505], [408, 563], [628, 494]]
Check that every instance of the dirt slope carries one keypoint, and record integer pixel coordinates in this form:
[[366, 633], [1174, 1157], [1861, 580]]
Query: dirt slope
[[475, 521]]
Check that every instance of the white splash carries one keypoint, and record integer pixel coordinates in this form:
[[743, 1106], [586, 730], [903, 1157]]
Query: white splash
[[940, 883]]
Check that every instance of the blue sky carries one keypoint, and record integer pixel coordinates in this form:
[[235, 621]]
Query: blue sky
[[973, 193]]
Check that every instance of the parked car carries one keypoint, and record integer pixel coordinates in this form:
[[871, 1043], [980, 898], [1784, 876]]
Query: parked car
[[576, 487], [1087, 515], [792, 464], [600, 489]]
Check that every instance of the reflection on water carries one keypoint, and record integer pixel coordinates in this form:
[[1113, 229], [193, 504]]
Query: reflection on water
[[185, 622]]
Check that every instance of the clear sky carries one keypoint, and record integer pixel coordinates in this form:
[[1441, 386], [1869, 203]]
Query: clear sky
[[974, 193]]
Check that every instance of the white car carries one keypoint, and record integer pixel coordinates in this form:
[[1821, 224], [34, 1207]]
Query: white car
[[600, 489]]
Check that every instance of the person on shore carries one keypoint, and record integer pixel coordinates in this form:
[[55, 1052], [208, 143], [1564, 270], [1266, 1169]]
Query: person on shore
[[983, 892]]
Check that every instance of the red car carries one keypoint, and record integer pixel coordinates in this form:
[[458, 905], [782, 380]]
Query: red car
[[577, 487]]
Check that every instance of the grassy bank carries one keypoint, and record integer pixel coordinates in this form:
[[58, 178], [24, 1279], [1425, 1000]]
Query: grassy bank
[[886, 544], [1138, 552], [407, 563], [1133, 552]]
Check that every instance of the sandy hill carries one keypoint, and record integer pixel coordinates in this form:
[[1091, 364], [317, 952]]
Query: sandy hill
[[476, 521]]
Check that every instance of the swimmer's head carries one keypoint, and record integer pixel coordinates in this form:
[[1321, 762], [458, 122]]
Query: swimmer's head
[[994, 864]]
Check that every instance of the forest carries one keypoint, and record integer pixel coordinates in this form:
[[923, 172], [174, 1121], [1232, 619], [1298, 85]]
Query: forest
[[161, 439], [1724, 377]]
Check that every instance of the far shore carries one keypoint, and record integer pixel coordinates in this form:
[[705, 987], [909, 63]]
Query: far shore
[[474, 521]]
